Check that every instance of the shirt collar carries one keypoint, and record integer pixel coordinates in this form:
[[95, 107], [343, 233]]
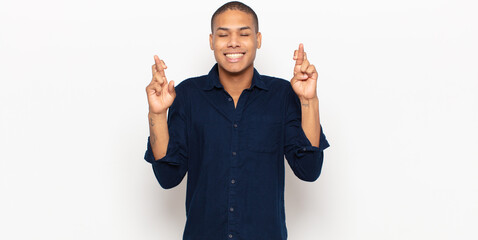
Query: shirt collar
[[212, 80]]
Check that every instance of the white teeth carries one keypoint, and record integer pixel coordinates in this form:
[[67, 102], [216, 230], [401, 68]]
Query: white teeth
[[234, 55]]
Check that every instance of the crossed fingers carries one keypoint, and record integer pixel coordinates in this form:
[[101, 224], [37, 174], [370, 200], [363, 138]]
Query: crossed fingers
[[159, 80], [303, 70], [158, 70]]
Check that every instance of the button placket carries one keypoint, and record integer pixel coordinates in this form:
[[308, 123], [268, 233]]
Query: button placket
[[235, 159]]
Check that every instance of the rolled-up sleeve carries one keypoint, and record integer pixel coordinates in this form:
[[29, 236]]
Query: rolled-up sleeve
[[304, 159], [171, 169]]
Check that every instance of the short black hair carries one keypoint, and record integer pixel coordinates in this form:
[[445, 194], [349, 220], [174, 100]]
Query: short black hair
[[235, 5]]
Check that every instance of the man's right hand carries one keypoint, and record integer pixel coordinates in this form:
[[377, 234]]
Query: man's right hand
[[160, 93]]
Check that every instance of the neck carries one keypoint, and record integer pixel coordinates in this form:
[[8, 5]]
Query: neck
[[235, 83]]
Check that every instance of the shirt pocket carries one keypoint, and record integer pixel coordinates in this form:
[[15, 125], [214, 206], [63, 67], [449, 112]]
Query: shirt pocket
[[264, 136]]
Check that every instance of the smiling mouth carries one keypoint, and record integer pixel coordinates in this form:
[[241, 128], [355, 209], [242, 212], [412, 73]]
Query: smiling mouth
[[234, 57]]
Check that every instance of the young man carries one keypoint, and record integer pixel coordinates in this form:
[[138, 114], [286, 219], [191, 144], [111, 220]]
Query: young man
[[230, 130]]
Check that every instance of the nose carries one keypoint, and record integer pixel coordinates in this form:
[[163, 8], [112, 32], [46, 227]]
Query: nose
[[233, 41]]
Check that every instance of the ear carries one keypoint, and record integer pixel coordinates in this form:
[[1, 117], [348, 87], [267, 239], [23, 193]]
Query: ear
[[210, 42], [259, 39]]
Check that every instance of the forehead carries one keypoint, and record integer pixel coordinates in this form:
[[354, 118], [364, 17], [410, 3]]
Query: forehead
[[233, 19]]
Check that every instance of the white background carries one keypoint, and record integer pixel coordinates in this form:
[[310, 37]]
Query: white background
[[398, 84]]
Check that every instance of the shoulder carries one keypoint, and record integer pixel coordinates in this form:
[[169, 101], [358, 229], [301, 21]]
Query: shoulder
[[282, 89], [276, 84], [191, 83], [189, 88]]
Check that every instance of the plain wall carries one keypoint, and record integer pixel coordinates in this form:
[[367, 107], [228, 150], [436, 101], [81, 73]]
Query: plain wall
[[398, 84]]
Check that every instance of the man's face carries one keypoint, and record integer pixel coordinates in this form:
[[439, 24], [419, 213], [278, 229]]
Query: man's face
[[234, 41]]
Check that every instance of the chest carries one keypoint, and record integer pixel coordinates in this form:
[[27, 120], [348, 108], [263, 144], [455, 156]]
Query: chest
[[254, 119]]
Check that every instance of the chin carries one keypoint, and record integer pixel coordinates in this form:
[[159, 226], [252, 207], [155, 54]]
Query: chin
[[234, 68]]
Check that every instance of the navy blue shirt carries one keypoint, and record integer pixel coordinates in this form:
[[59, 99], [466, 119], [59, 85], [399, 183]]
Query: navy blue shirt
[[234, 156]]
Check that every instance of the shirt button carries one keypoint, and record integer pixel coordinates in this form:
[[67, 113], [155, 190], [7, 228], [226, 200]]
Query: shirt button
[[235, 125], [230, 235], [231, 209], [303, 149], [234, 153], [233, 181], [229, 99]]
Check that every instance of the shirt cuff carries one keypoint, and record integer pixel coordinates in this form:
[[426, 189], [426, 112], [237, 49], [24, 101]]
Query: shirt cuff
[[323, 142], [306, 146], [149, 156]]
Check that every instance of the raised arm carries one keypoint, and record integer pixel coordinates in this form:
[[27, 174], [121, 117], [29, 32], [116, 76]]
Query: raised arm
[[161, 95], [304, 84]]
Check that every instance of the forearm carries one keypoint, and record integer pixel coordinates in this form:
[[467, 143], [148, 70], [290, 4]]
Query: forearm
[[158, 134], [311, 120]]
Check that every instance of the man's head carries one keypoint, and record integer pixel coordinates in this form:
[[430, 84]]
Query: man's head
[[235, 5], [235, 37]]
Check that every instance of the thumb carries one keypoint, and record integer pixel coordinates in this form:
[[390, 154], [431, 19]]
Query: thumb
[[171, 89], [294, 79]]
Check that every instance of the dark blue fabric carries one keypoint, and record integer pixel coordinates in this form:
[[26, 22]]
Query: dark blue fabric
[[235, 156]]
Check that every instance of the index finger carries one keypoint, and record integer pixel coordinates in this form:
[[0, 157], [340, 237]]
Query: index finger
[[300, 55], [159, 65], [158, 70]]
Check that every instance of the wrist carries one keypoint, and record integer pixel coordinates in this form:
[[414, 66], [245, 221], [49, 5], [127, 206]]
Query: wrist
[[308, 101], [157, 115]]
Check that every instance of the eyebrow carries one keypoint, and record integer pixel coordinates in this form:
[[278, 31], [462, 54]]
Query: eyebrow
[[227, 29]]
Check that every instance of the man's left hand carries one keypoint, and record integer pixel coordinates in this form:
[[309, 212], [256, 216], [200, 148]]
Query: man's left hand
[[304, 81]]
